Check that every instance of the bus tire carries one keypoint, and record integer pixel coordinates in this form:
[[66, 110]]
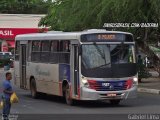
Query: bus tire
[[33, 89], [68, 98], [115, 102]]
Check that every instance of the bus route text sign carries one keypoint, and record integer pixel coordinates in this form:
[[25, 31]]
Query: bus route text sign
[[106, 37], [110, 37]]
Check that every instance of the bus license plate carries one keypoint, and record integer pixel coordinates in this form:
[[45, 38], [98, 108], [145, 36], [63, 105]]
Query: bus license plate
[[111, 95]]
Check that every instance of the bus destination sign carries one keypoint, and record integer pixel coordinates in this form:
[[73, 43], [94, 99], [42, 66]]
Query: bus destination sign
[[106, 37], [103, 37]]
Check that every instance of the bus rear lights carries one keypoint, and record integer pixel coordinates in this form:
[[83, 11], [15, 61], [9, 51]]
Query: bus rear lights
[[129, 84]]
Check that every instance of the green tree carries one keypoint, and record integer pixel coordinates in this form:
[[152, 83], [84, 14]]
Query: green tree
[[71, 15], [77, 15], [24, 6]]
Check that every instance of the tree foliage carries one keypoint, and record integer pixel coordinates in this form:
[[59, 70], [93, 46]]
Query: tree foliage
[[76, 15], [24, 6]]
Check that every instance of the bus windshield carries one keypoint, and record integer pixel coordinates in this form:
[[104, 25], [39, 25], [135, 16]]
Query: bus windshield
[[95, 55], [107, 56]]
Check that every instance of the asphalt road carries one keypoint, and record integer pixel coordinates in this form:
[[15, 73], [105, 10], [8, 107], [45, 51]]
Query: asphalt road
[[145, 103], [51, 105]]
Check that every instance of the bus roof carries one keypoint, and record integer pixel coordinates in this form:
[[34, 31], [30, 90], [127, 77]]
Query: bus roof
[[60, 35]]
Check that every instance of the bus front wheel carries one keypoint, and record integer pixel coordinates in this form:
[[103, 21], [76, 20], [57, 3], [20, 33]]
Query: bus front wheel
[[68, 98], [115, 102], [33, 88]]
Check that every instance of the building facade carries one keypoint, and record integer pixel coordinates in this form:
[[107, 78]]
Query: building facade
[[15, 24]]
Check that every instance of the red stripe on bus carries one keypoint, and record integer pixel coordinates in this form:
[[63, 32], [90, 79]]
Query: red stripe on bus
[[70, 91], [60, 89], [79, 92]]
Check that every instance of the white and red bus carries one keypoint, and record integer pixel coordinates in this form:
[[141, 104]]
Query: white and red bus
[[87, 65]]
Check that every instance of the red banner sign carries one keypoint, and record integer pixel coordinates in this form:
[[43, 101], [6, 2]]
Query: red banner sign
[[10, 33]]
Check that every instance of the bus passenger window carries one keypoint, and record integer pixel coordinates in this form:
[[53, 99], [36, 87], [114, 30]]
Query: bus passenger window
[[45, 51], [64, 54], [35, 55], [54, 46], [65, 46], [36, 45], [54, 52], [17, 50], [45, 46], [29, 47]]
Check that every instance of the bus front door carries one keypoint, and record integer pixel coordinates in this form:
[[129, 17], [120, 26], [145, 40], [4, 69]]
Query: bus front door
[[23, 82], [76, 69]]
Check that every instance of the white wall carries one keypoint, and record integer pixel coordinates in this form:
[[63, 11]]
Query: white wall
[[19, 20]]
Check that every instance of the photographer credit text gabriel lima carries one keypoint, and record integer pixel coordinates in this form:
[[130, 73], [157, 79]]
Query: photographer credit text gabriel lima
[[142, 25]]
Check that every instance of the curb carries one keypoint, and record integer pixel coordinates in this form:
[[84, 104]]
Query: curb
[[146, 90]]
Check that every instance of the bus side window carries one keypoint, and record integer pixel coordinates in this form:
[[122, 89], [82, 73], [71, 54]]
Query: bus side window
[[64, 55], [64, 46], [35, 55], [54, 46], [54, 51], [29, 51], [17, 50], [45, 51]]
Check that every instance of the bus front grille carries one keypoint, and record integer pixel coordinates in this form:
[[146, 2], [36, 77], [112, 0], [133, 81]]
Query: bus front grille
[[110, 85]]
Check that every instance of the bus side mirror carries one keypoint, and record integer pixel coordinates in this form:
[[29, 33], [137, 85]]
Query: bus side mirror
[[80, 50]]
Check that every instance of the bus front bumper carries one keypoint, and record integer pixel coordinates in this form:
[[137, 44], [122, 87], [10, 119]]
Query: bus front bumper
[[90, 94]]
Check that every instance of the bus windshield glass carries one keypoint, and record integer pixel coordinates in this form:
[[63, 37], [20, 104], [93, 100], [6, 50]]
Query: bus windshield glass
[[96, 57]]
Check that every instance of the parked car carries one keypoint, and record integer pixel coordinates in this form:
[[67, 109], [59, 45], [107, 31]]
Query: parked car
[[6, 58], [5, 55]]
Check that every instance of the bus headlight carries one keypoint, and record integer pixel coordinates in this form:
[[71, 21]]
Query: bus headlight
[[135, 81], [85, 82]]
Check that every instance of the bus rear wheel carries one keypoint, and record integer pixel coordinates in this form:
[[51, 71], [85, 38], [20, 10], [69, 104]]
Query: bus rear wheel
[[115, 102], [33, 88], [68, 98]]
